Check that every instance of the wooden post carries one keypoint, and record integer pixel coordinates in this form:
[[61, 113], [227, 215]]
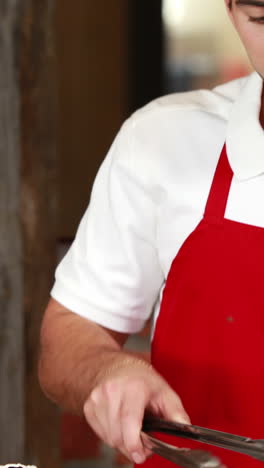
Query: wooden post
[[29, 423], [11, 311], [38, 213]]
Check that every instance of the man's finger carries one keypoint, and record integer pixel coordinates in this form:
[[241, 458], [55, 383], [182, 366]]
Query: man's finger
[[131, 422], [93, 421], [113, 410]]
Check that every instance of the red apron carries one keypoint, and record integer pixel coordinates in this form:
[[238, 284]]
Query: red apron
[[209, 336]]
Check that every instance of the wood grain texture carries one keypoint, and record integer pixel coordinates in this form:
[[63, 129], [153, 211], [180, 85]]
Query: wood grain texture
[[38, 213], [11, 311], [29, 423]]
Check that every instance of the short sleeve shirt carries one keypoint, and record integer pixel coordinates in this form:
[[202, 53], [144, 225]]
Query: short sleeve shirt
[[150, 194]]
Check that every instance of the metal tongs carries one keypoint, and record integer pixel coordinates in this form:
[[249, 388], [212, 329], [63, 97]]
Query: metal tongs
[[184, 457], [198, 458]]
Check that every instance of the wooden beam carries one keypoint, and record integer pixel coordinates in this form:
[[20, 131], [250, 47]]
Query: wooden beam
[[11, 312], [29, 422], [38, 213]]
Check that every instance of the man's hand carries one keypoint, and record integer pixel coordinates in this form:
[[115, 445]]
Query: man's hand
[[117, 403], [83, 368]]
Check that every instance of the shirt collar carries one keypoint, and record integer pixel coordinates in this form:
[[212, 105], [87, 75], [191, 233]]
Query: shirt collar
[[245, 136]]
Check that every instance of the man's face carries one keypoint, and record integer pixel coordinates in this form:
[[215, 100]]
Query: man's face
[[248, 19]]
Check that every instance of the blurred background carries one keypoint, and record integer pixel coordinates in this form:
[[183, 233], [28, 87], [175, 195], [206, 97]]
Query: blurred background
[[71, 72]]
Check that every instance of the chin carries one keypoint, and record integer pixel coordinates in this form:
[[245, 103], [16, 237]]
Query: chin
[[258, 69]]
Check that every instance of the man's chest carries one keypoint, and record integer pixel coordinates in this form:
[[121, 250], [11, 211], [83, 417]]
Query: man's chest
[[183, 207]]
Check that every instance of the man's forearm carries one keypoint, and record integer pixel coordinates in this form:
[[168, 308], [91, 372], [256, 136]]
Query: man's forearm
[[74, 352], [84, 369]]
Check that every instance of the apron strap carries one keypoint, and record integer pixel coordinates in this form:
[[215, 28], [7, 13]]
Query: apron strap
[[218, 196]]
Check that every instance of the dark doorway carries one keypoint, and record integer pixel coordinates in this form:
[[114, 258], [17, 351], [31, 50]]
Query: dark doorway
[[146, 51]]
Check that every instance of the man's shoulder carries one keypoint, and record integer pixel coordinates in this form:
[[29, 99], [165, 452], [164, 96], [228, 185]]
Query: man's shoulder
[[178, 119], [217, 101]]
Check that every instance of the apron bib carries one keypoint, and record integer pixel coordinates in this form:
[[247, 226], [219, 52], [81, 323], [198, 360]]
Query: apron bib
[[208, 342]]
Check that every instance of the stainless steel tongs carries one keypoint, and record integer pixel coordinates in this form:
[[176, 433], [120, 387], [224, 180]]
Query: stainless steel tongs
[[251, 447], [184, 457]]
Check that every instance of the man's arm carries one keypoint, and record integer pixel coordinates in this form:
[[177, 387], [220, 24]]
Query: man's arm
[[84, 369], [73, 350]]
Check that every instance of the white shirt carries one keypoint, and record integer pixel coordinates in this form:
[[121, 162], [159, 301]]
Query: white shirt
[[150, 194]]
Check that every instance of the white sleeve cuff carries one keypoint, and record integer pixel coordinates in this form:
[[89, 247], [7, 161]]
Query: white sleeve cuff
[[77, 305]]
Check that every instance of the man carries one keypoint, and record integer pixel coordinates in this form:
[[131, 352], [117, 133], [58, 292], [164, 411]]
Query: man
[[177, 202]]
